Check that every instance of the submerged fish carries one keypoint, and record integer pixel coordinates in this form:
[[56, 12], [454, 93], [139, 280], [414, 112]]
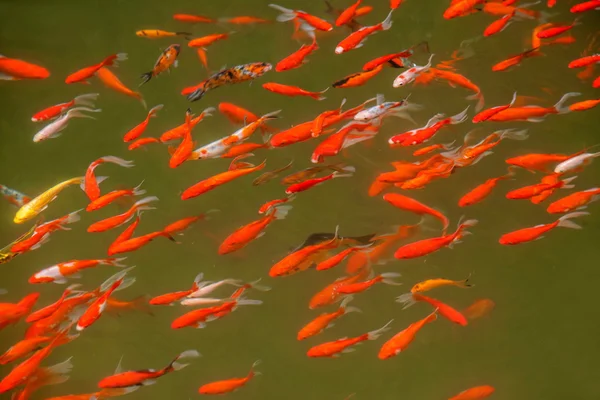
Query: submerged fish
[[237, 74]]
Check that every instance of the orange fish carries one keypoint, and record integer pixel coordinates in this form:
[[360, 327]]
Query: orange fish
[[169, 298], [400, 341], [516, 60], [325, 320], [220, 179], [443, 309], [167, 59], [292, 91], [329, 294], [533, 113], [339, 257], [356, 39], [110, 80], [93, 312], [480, 192], [574, 201], [535, 232], [474, 393], [50, 309], [142, 142], [296, 59], [139, 129], [58, 274], [198, 318], [184, 223], [530, 191], [348, 14], [118, 220], [357, 287], [193, 19], [14, 69], [584, 105], [357, 79], [86, 73], [208, 39], [126, 243], [487, 114], [333, 349], [314, 21], [179, 131], [499, 25], [108, 198], [41, 233], [556, 30], [228, 385], [244, 20], [186, 146], [11, 313], [412, 205], [479, 308], [90, 184]]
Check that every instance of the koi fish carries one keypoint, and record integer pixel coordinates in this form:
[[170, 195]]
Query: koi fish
[[575, 163], [145, 377], [325, 320], [389, 108], [427, 246], [14, 197], [411, 74], [157, 34], [292, 91], [229, 385], [59, 272], [193, 19], [237, 74], [408, 204], [400, 341], [533, 113], [315, 22], [90, 184], [40, 202], [167, 59], [108, 198], [356, 39], [357, 79], [112, 81], [220, 179], [481, 191], [13, 69], [536, 232], [307, 184], [297, 58], [54, 129], [139, 129], [475, 393], [85, 73], [54, 111], [333, 349]]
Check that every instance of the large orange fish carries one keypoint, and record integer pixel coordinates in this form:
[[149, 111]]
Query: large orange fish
[[13, 69], [86, 73], [112, 81], [400, 341]]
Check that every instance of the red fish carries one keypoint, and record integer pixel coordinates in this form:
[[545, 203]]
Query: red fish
[[59, 272], [445, 310], [480, 192], [357, 287], [10, 313], [169, 298], [400, 341], [556, 30], [142, 142], [86, 73], [309, 183], [228, 385], [356, 39], [574, 201], [292, 91], [475, 393], [95, 310], [490, 112], [54, 111], [333, 349], [41, 233], [296, 59], [412, 205], [108, 198], [14, 69], [536, 232], [90, 184], [139, 129], [313, 21], [118, 220], [348, 14], [515, 60], [325, 320]]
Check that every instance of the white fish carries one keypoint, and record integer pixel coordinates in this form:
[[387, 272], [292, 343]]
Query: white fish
[[54, 128], [409, 75], [575, 162]]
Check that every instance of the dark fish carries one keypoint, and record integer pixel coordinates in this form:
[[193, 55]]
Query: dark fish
[[317, 238]]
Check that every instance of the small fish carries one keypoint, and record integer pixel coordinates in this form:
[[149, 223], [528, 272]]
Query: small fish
[[297, 58], [490, 112], [308, 173], [536, 232], [556, 30], [313, 21], [574, 201], [325, 320], [112, 81], [59, 272], [207, 40], [40, 202], [475, 393], [14, 197], [348, 14], [317, 238], [54, 111], [97, 307], [184, 223], [339, 257], [108, 198], [169, 298], [411, 74], [385, 108], [479, 308], [126, 243], [292, 91], [396, 60], [244, 20], [86, 73], [273, 203], [239, 115], [139, 129], [333, 349], [13, 69], [499, 25], [237, 74], [516, 60], [270, 175], [357, 287], [228, 385], [193, 19], [157, 34], [90, 184], [408, 204], [118, 220], [533, 113], [179, 131], [480, 192], [309, 183], [357, 79], [575, 163], [142, 142], [166, 60], [530, 191], [356, 39], [400, 341], [54, 129]]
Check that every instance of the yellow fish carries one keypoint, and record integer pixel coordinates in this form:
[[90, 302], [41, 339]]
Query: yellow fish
[[157, 33], [434, 283], [40, 203]]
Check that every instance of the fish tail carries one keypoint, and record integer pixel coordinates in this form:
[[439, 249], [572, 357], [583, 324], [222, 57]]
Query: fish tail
[[407, 299], [565, 222], [286, 13], [387, 22], [559, 106], [146, 77], [465, 283], [196, 94], [115, 262], [155, 109], [460, 117], [86, 99], [480, 101], [376, 333], [319, 95]]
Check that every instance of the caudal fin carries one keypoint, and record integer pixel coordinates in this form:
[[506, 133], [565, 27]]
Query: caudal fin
[[146, 77], [565, 222], [376, 333], [559, 106]]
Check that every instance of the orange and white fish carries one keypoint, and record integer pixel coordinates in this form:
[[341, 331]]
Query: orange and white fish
[[325, 320], [400, 341], [86, 73], [54, 129], [228, 385], [41, 233], [14, 197], [536, 232], [333, 349], [54, 111], [144, 377], [411, 74], [165, 61], [58, 273]]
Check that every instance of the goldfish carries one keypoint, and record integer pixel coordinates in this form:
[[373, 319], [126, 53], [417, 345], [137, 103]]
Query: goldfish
[[530, 191], [430, 284], [45, 376], [357, 79], [142, 142], [357, 287], [97, 307], [165, 61], [427, 246], [267, 176], [455, 79], [86, 73], [400, 341], [198, 318], [585, 6], [539, 162], [118, 220], [320, 238], [411, 74], [244, 20], [300, 176], [575, 163], [139, 129], [584, 105], [54, 129], [208, 39], [333, 349], [179, 131], [228, 385], [11, 313], [128, 243], [357, 38], [292, 91], [239, 115], [481, 191], [315, 22], [585, 61], [243, 235], [100, 395], [421, 135], [50, 309], [6, 254], [533, 113], [184, 223], [58, 273], [383, 108], [499, 25], [184, 150], [348, 14], [574, 201], [428, 149], [169, 298], [54, 111], [443, 309], [14, 197], [22, 348], [297, 58], [341, 256], [329, 294], [13, 69], [325, 320], [536, 232], [556, 30], [396, 60], [317, 128], [348, 135], [112, 81], [474, 393], [157, 33], [193, 19], [515, 60], [219, 179], [145, 376], [40, 202], [90, 184], [479, 308], [412, 205], [307, 184], [487, 114], [237, 74], [460, 8], [108, 198]]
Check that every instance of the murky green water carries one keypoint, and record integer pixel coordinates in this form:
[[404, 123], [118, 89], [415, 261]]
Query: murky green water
[[539, 343]]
